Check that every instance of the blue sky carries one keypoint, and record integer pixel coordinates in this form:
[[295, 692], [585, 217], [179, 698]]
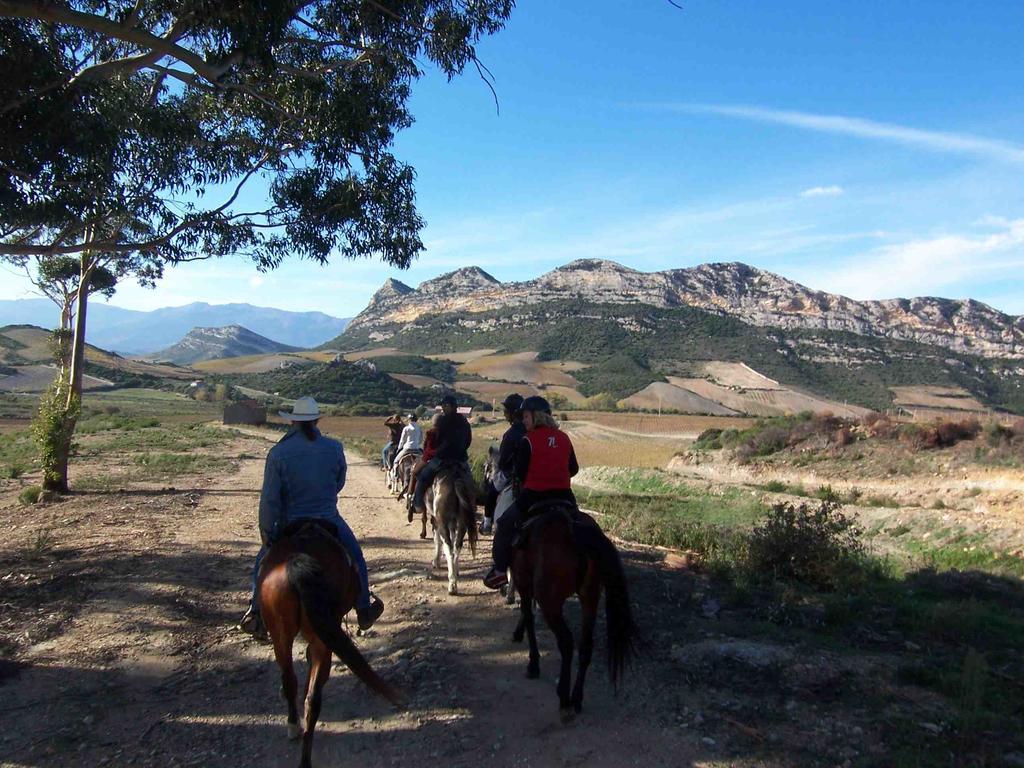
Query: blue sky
[[873, 149]]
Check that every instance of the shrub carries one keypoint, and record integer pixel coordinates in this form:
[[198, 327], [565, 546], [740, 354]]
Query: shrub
[[941, 434], [709, 440], [775, 486], [30, 494], [820, 547], [12, 472], [110, 410]]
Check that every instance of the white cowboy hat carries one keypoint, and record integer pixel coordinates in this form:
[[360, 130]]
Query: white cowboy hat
[[304, 409]]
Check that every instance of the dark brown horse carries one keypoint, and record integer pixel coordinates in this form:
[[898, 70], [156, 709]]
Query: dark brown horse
[[307, 583], [567, 553]]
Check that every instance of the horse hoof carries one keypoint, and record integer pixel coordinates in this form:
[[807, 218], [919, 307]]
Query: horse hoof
[[577, 706], [517, 637], [423, 534], [532, 673], [566, 715], [453, 589], [294, 731]]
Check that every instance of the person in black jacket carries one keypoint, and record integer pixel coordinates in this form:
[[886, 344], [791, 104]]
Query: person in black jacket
[[506, 462], [454, 436]]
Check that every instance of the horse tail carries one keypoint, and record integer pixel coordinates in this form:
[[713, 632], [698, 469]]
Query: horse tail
[[618, 613], [467, 509], [306, 577]]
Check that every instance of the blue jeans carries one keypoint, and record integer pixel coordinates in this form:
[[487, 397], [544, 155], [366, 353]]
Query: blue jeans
[[424, 480], [348, 541], [384, 455]]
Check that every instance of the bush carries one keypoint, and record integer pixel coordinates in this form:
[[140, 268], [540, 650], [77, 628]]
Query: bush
[[30, 494], [940, 434], [12, 471], [111, 410], [709, 440], [820, 547]]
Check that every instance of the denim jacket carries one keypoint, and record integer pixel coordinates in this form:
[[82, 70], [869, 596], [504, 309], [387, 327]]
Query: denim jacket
[[302, 478]]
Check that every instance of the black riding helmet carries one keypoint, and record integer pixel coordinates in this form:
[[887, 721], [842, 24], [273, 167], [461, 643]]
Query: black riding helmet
[[512, 403], [536, 403]]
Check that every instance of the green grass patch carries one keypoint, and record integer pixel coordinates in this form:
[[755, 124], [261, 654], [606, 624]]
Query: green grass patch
[[162, 465], [17, 453], [30, 494]]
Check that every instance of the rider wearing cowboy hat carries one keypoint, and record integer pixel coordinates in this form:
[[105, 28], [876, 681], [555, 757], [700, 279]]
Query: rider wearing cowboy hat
[[302, 477], [544, 465]]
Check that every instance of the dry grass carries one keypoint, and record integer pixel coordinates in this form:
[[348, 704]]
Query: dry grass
[[521, 366]]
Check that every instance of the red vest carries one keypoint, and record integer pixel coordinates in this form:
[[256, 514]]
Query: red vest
[[550, 450]]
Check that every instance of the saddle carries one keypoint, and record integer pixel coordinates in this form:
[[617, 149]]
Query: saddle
[[459, 469], [545, 510], [309, 528]]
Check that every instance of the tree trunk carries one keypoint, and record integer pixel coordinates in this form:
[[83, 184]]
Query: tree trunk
[[63, 432], [78, 348]]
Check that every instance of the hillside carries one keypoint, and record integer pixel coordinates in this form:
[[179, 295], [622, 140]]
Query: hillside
[[215, 343], [133, 332], [756, 297], [628, 330], [26, 364], [358, 387]]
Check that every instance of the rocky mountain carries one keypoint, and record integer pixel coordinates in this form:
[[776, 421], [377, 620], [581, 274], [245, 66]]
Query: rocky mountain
[[216, 343], [751, 295], [620, 331], [130, 331]]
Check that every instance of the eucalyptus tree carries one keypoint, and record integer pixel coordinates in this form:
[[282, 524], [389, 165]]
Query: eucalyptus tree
[[135, 130]]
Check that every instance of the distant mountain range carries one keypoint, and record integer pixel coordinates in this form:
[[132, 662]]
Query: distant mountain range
[[128, 331], [216, 343]]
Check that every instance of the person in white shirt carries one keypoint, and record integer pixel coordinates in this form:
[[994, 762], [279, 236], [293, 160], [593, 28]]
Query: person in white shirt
[[411, 440]]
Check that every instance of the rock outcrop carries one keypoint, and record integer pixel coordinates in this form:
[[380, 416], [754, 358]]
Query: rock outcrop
[[215, 343], [752, 295]]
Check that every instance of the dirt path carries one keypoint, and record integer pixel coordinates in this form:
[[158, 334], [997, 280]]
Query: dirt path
[[146, 669]]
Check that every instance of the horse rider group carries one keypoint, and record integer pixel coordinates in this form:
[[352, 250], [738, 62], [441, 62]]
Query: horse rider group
[[305, 471]]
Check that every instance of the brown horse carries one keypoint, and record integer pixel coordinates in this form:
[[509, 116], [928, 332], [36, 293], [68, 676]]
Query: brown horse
[[307, 583], [567, 553]]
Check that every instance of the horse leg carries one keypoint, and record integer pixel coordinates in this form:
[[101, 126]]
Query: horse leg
[[556, 621], [319, 671], [526, 607], [589, 598], [289, 683], [451, 558], [437, 543]]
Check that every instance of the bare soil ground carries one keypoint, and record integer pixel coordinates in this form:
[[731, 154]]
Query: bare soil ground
[[117, 647]]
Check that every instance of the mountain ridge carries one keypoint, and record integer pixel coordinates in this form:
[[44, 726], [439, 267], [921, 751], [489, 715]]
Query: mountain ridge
[[137, 332], [752, 295], [202, 344]]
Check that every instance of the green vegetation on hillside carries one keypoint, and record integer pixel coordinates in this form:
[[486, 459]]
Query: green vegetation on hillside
[[628, 347], [355, 388], [414, 364]]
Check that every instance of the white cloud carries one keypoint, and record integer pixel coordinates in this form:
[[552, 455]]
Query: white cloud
[[934, 141], [256, 281], [927, 266], [831, 191]]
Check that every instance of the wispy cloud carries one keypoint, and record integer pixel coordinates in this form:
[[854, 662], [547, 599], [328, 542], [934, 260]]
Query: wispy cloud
[[929, 265], [832, 191], [934, 141]]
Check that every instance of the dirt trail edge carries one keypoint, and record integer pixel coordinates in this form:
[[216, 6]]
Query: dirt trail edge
[[148, 670]]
